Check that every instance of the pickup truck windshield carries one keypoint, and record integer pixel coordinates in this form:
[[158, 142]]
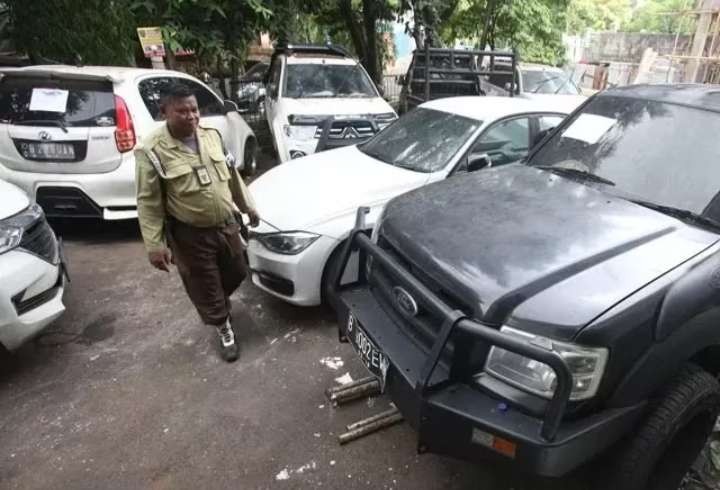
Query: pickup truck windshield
[[316, 80], [423, 140], [548, 82], [661, 153]]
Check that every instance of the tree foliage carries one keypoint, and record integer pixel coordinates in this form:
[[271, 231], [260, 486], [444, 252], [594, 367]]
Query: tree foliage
[[662, 16], [597, 15], [534, 27], [97, 31]]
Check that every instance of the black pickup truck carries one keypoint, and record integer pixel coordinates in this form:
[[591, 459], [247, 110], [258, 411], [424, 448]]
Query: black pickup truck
[[562, 310]]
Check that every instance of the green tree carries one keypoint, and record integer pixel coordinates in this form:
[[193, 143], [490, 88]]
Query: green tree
[[94, 31], [597, 15], [534, 27], [662, 16]]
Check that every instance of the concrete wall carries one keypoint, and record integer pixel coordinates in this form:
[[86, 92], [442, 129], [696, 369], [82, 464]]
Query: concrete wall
[[629, 47]]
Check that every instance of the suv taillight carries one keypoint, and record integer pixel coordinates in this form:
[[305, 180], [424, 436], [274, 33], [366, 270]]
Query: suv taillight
[[124, 131]]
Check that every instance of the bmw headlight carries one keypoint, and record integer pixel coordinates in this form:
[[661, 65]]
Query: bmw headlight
[[587, 365], [287, 243], [12, 228]]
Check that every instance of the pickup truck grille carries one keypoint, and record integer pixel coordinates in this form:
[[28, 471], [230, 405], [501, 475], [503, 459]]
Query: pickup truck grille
[[348, 130], [424, 327]]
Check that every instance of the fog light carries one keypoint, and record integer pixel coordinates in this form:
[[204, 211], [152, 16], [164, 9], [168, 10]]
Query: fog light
[[297, 154]]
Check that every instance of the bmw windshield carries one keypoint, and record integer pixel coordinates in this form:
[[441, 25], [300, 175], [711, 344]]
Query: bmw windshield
[[423, 140], [662, 155]]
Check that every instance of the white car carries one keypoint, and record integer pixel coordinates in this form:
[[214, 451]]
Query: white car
[[308, 206], [320, 98], [32, 279], [67, 133]]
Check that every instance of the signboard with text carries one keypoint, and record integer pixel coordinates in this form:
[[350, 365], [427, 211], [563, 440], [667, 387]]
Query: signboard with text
[[151, 41]]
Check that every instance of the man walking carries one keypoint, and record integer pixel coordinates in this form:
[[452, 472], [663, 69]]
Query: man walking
[[189, 197]]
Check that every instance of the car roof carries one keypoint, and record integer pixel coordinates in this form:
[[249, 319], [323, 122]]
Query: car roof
[[689, 94], [112, 73], [490, 108], [304, 59]]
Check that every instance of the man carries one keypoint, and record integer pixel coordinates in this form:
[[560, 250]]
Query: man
[[189, 198]]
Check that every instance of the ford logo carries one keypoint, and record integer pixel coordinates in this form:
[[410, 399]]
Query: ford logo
[[44, 135], [405, 301]]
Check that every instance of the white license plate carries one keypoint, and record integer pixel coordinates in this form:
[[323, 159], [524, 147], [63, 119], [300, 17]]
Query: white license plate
[[48, 151]]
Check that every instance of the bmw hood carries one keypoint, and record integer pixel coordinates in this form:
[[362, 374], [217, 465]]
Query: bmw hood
[[12, 200], [337, 106], [304, 193], [521, 246]]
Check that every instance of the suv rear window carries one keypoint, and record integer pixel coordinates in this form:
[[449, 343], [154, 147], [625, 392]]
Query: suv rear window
[[89, 103]]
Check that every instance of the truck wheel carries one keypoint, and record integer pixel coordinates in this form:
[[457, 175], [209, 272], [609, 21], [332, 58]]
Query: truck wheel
[[661, 452]]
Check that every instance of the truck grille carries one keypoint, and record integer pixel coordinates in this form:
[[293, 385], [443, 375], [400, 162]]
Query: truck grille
[[40, 240], [424, 327], [348, 130]]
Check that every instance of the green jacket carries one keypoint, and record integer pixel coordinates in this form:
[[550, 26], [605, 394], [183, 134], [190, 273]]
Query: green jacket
[[172, 180]]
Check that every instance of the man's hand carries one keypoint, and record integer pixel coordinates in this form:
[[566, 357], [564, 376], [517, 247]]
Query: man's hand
[[254, 218], [161, 259]]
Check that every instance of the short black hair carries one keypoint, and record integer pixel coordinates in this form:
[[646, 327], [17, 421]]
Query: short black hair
[[176, 91]]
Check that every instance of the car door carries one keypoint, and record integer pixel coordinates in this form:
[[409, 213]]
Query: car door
[[503, 142], [212, 111]]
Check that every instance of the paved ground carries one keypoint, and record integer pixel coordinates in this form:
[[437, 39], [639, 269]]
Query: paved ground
[[126, 391]]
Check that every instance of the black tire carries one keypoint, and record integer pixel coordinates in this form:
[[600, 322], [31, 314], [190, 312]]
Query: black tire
[[331, 266], [250, 158], [660, 453]]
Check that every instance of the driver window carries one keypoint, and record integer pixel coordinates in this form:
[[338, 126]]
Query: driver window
[[505, 142]]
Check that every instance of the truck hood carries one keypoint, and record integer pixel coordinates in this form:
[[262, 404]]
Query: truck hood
[[304, 193], [12, 200], [524, 247], [336, 106]]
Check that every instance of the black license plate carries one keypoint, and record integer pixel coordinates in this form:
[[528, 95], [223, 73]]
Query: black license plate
[[48, 151], [371, 356]]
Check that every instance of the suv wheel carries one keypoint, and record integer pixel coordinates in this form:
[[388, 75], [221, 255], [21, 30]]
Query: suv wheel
[[250, 158], [661, 452]]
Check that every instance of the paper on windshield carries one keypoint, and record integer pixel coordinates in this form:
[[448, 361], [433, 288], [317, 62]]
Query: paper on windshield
[[589, 128], [48, 100]]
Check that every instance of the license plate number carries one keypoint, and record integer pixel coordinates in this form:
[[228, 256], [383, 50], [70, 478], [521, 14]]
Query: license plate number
[[371, 356], [48, 151]]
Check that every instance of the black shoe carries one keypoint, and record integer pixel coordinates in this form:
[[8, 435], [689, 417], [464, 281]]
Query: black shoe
[[229, 349]]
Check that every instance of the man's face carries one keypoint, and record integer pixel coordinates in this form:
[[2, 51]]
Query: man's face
[[182, 116]]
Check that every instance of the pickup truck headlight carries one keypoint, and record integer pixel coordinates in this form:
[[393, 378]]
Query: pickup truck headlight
[[300, 133], [384, 120], [12, 228], [587, 365], [287, 243]]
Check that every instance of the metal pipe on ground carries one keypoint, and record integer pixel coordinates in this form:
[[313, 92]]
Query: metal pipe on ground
[[372, 419], [371, 427], [359, 391], [335, 389]]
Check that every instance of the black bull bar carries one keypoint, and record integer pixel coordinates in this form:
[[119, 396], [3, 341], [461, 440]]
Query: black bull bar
[[453, 320]]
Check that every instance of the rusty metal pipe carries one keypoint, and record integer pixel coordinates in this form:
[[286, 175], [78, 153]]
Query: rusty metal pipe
[[350, 394], [370, 420], [336, 389], [370, 428]]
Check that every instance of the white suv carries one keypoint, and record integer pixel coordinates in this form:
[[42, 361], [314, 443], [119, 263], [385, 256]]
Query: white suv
[[319, 98], [32, 278], [67, 133]]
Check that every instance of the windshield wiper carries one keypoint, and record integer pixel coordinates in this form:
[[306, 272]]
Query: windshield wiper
[[575, 173], [55, 122], [680, 213]]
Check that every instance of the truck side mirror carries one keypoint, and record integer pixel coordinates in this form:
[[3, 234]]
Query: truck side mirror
[[381, 90], [401, 80], [541, 136], [478, 161]]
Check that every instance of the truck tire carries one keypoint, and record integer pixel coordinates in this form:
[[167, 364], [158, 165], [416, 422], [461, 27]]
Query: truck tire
[[250, 158], [669, 440]]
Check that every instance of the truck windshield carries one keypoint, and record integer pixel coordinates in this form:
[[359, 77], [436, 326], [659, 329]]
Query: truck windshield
[[655, 152], [327, 80], [548, 82], [423, 140]]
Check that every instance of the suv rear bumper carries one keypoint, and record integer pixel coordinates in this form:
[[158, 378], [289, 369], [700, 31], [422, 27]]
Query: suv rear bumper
[[453, 416], [457, 419]]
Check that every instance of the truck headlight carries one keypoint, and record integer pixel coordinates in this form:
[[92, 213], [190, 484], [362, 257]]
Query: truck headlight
[[300, 133], [384, 120], [12, 228], [587, 365], [287, 243]]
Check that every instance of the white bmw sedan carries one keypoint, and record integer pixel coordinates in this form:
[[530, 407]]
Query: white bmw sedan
[[308, 205]]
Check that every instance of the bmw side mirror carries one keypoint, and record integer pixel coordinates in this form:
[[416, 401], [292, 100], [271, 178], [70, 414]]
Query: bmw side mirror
[[478, 161], [541, 136], [229, 106]]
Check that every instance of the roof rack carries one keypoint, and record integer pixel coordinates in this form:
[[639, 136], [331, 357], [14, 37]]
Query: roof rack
[[328, 49]]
